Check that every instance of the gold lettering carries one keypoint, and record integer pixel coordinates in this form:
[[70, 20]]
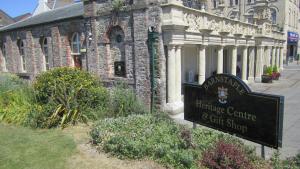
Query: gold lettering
[[241, 128]]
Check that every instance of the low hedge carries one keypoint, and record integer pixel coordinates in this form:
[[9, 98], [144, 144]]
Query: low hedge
[[157, 138]]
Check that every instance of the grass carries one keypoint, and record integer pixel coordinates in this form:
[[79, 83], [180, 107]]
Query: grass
[[24, 148]]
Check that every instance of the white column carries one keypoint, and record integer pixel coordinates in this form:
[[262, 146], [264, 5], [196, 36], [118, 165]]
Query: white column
[[178, 73], [244, 63], [171, 74], [201, 64], [281, 59], [259, 66], [267, 56], [273, 56], [277, 56], [251, 63], [220, 60], [234, 60]]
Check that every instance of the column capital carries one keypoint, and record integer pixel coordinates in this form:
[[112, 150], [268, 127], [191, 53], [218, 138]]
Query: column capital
[[171, 46], [178, 46], [234, 46], [268, 47], [259, 46], [245, 46], [202, 46], [221, 46]]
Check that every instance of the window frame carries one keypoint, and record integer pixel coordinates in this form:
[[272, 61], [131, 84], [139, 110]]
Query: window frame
[[22, 55], [45, 50], [76, 42], [4, 56]]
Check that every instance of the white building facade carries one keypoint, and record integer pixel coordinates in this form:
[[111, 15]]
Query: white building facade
[[202, 42]]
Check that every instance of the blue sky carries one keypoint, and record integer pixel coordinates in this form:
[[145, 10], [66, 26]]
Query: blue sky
[[18, 7]]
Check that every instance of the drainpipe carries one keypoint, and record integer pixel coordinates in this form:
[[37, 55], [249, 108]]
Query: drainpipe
[[152, 38]]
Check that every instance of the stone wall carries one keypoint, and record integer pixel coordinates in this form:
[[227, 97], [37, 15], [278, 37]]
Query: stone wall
[[58, 36], [103, 25], [134, 20]]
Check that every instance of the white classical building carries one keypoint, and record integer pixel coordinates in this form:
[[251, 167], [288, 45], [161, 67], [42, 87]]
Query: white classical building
[[201, 43], [284, 15]]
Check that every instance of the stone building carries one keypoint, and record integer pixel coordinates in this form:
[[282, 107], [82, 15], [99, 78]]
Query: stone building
[[111, 41]]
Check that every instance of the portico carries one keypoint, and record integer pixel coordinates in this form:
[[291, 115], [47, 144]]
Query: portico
[[202, 44]]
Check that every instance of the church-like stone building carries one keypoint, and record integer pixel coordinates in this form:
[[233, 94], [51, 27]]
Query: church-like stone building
[[111, 40]]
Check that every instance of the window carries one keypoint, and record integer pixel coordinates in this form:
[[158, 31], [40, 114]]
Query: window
[[45, 51], [231, 2], [4, 58], [75, 47], [215, 3], [236, 2], [249, 1], [22, 55], [250, 19], [75, 44], [274, 16]]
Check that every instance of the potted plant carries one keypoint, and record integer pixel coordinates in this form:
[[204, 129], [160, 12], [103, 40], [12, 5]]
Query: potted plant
[[275, 73], [267, 76]]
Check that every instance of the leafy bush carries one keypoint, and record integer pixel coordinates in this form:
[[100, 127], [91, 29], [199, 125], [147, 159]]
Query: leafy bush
[[226, 155], [297, 160], [290, 163], [118, 5], [275, 69], [66, 96], [16, 99], [268, 70], [124, 102], [154, 137]]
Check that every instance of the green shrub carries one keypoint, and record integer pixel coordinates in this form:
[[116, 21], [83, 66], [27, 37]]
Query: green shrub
[[155, 137], [290, 163], [268, 70], [118, 5], [226, 155], [124, 102], [68, 96], [275, 69], [16, 99], [297, 160]]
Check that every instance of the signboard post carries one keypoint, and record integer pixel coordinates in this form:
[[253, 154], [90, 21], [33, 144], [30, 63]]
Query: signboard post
[[226, 103]]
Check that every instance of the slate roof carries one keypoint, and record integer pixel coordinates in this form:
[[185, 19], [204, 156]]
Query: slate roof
[[70, 11], [22, 17], [5, 19]]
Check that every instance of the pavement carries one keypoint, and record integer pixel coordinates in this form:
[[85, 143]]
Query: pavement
[[288, 86]]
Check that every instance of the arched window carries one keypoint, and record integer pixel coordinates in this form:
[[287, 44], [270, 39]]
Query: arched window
[[22, 55], [273, 16], [75, 44], [236, 2], [4, 58], [215, 3], [45, 50], [75, 47], [117, 50]]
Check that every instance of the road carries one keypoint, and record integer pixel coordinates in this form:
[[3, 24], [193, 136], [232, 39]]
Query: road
[[288, 86]]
